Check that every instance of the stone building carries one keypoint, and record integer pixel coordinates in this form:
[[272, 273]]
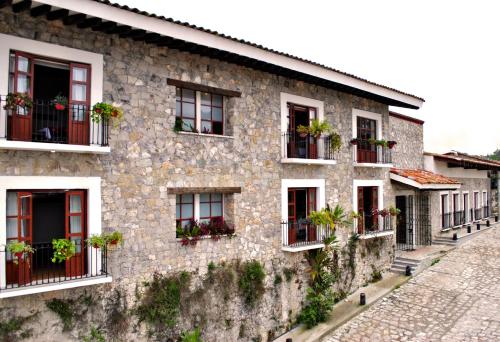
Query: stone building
[[209, 133]]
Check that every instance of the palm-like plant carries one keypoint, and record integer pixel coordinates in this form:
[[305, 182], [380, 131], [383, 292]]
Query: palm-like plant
[[316, 127], [332, 218]]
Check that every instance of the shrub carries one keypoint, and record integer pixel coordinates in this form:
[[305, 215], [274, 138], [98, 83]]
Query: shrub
[[64, 309], [318, 307], [251, 282], [288, 272], [191, 336]]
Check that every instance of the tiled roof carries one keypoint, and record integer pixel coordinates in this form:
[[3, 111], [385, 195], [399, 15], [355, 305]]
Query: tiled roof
[[406, 117], [423, 177], [460, 158], [152, 15]]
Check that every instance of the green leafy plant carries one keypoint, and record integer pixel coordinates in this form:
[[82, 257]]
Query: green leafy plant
[[288, 273], [316, 127], [277, 279], [327, 216], [178, 125], [94, 336], [96, 241], [191, 336], [435, 261], [393, 211], [64, 309], [114, 238], [377, 142], [303, 130], [16, 100], [60, 102], [376, 275], [251, 282], [104, 111], [19, 249], [12, 329], [335, 141], [63, 250], [355, 215]]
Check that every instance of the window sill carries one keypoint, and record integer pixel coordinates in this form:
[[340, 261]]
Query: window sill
[[206, 135], [376, 234], [209, 237], [51, 147], [28, 290], [302, 248], [356, 164], [308, 161]]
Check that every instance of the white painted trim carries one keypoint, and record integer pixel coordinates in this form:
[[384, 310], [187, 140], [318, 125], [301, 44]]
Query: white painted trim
[[367, 182], [377, 234], [374, 165], [319, 184], [308, 161], [91, 184], [9, 42], [447, 210], [189, 34], [302, 248], [417, 185], [28, 290], [206, 135], [466, 212], [368, 115], [51, 147], [286, 98]]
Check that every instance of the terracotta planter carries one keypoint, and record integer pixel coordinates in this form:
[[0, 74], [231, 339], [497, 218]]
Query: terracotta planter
[[59, 106]]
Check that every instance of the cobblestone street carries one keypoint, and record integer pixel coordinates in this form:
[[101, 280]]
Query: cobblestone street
[[457, 299]]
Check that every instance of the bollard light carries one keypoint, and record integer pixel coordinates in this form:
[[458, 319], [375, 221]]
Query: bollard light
[[362, 299], [496, 218], [487, 223], [408, 270], [455, 237], [289, 340], [469, 229], [478, 226]]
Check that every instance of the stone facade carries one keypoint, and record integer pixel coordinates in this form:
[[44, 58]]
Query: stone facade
[[409, 135], [147, 157]]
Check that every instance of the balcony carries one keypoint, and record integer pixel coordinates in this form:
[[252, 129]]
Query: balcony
[[36, 273], [366, 153], [306, 149], [300, 236], [478, 214], [373, 225], [446, 221], [486, 212], [458, 218], [47, 128]]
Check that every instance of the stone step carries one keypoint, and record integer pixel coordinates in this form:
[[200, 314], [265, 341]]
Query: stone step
[[408, 260], [445, 242], [404, 264]]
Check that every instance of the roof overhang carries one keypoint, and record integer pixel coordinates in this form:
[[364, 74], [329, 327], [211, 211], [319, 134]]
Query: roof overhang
[[141, 27], [414, 184]]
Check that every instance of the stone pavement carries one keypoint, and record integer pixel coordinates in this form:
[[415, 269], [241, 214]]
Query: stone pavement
[[457, 299]]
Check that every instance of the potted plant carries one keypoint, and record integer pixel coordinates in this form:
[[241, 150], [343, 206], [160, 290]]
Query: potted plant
[[15, 100], [114, 238], [303, 131], [394, 211], [19, 249], [189, 234], [335, 142], [178, 125], [104, 111], [383, 212], [391, 143], [316, 128], [96, 241], [64, 249], [60, 102], [355, 215], [381, 142], [372, 141]]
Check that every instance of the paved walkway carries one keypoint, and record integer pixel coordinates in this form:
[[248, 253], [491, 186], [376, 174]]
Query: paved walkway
[[457, 299]]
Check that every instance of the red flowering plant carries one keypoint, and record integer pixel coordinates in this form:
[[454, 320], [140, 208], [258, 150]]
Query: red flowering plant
[[15, 100], [191, 233], [60, 102], [384, 212]]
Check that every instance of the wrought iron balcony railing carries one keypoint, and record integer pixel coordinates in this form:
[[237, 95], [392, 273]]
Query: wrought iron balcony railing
[[446, 220], [44, 123], [299, 234], [367, 152], [306, 146], [370, 223], [478, 214], [458, 218]]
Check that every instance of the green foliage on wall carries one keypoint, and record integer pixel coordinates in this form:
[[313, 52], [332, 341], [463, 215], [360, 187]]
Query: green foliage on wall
[[64, 309], [11, 328], [251, 282]]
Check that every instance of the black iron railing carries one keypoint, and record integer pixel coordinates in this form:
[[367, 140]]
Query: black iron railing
[[46, 123], [458, 218], [369, 223], [298, 234], [486, 212], [446, 220], [306, 146], [478, 214], [38, 268], [368, 152]]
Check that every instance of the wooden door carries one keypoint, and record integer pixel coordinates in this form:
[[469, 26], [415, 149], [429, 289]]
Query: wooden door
[[79, 104], [374, 208], [466, 208], [292, 220], [75, 231], [366, 130], [311, 206], [361, 211], [19, 228], [21, 118]]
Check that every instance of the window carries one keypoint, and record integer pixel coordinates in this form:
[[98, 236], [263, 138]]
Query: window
[[199, 111], [184, 209], [210, 207], [366, 132]]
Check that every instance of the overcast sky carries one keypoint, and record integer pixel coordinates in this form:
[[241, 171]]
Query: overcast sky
[[447, 52]]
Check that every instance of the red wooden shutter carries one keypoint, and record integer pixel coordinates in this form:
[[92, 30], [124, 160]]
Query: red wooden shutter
[[311, 206], [292, 223], [361, 211], [75, 231], [23, 83], [79, 104], [375, 207]]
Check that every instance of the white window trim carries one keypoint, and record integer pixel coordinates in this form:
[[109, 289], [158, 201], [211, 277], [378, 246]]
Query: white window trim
[[35, 47], [483, 198], [478, 199], [466, 213], [91, 184], [459, 201], [447, 211], [357, 183]]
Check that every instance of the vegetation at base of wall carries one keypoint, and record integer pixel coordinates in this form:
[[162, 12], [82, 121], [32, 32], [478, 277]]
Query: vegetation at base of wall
[[374, 246], [376, 275], [191, 336], [94, 336], [11, 328], [435, 261], [289, 273], [64, 309], [277, 279], [251, 282]]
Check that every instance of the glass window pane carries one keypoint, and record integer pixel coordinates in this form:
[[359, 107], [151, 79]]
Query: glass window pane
[[204, 197], [178, 108], [178, 211], [217, 114], [75, 204], [78, 243], [23, 84], [75, 224], [206, 127], [184, 223], [25, 228], [12, 62], [217, 100], [188, 95], [216, 209], [187, 125], [188, 198], [25, 205], [23, 64], [79, 74], [178, 94], [187, 210], [206, 113], [11, 83], [204, 209], [78, 112], [11, 203], [188, 110], [205, 99], [216, 197], [79, 92], [12, 228], [207, 220]]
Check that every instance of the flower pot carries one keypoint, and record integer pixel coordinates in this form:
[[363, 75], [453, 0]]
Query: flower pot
[[354, 142], [303, 135], [114, 242], [59, 106], [95, 245], [391, 145], [114, 114]]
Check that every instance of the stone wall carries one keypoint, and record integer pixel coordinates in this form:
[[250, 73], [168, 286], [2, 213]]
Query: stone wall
[[408, 153], [147, 157]]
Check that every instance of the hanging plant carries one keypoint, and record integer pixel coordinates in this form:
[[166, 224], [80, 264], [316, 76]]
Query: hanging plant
[[15, 100], [96, 241], [391, 143], [383, 212], [114, 238], [64, 249], [303, 131], [104, 112], [394, 211], [19, 249], [60, 102], [355, 215], [335, 141], [316, 128]]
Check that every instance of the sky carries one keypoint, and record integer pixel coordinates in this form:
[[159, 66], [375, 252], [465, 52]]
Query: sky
[[447, 52]]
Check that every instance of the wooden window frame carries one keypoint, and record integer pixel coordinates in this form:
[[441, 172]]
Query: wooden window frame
[[211, 106], [367, 153], [181, 101], [212, 218], [178, 221]]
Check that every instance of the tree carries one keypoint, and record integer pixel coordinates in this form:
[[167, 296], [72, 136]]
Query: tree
[[495, 155]]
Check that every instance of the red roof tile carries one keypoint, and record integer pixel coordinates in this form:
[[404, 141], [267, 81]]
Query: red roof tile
[[459, 158], [423, 177]]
